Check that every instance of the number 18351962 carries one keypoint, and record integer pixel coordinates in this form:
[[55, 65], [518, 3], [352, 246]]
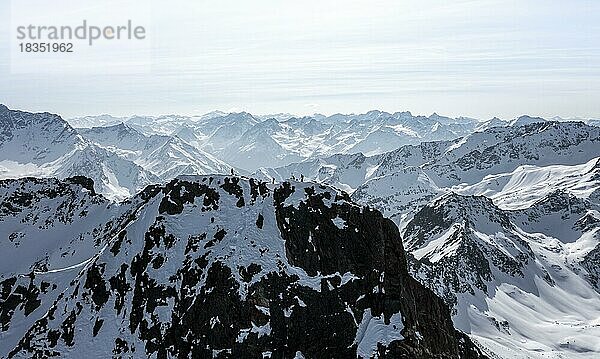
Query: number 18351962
[[46, 47]]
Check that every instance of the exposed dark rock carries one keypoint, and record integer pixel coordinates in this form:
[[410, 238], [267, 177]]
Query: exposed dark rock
[[179, 295], [96, 284], [84, 182], [260, 220]]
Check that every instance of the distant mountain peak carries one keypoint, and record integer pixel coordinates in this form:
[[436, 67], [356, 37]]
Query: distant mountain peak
[[526, 120]]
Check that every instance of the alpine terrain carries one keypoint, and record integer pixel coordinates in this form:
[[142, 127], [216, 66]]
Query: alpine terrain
[[210, 266], [234, 235]]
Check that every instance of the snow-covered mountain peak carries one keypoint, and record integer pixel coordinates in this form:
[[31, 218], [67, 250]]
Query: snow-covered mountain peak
[[35, 137], [402, 114], [526, 120], [120, 132], [95, 121], [164, 156], [212, 114], [44, 145], [494, 122], [444, 213], [239, 118], [276, 116], [468, 208], [435, 117], [500, 219], [120, 127], [523, 263], [298, 138], [241, 267], [503, 149]]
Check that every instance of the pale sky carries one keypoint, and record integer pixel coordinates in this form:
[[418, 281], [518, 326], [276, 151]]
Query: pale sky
[[480, 58]]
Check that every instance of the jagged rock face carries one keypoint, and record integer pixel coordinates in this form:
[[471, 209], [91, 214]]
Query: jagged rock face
[[228, 267], [560, 215], [375, 256], [591, 262], [50, 222], [524, 263], [503, 149], [46, 225], [448, 250]]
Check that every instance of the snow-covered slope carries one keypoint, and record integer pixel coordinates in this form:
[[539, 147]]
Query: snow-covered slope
[[372, 133], [528, 183], [214, 267], [494, 122], [521, 282], [515, 166], [250, 142], [526, 120], [343, 171], [162, 155], [349, 171], [500, 218], [118, 136], [256, 148], [398, 193], [94, 121], [512, 165], [44, 145], [50, 230], [503, 149]]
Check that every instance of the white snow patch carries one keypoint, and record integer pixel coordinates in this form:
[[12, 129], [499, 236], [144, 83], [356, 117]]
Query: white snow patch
[[373, 330]]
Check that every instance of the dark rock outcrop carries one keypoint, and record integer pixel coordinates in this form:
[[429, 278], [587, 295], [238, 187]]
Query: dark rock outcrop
[[193, 272]]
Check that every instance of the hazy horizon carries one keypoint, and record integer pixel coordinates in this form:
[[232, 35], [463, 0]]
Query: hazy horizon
[[266, 115]]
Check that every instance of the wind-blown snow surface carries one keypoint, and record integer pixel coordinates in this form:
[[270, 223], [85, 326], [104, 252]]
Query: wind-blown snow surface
[[525, 185], [210, 267]]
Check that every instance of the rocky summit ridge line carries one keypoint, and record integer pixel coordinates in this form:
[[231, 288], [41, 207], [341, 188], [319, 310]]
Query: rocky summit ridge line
[[212, 266]]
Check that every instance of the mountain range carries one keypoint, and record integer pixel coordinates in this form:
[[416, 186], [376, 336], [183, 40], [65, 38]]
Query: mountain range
[[120, 159], [497, 221], [250, 142]]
